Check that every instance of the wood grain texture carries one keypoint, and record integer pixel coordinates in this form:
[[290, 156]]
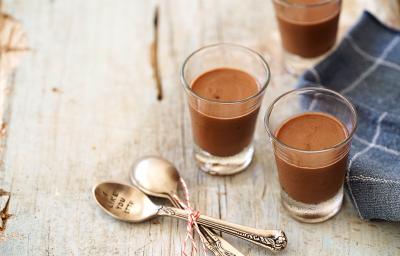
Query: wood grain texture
[[84, 107]]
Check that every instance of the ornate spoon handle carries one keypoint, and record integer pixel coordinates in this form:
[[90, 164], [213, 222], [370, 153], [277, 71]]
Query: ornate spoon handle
[[214, 243], [274, 240]]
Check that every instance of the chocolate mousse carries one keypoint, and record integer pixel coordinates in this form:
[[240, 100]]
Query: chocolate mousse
[[308, 31], [317, 177], [220, 127]]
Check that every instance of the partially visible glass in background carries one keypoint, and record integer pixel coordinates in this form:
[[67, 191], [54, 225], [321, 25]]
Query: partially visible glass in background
[[308, 30]]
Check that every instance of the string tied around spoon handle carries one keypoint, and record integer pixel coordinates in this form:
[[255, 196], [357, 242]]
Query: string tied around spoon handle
[[193, 216]]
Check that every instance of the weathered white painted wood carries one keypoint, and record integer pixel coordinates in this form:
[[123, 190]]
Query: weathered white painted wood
[[84, 108]]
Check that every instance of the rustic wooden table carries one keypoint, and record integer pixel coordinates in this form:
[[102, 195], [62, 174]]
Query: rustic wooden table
[[82, 106]]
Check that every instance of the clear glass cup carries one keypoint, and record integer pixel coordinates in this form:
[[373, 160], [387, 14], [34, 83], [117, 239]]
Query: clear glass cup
[[308, 30], [311, 180], [223, 130]]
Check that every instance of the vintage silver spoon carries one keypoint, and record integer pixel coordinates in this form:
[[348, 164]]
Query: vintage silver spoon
[[155, 176], [129, 204]]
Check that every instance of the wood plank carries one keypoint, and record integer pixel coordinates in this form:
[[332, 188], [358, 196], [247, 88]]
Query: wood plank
[[85, 107]]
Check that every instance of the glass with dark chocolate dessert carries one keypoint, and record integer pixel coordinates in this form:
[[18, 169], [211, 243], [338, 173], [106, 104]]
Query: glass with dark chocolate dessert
[[308, 30], [225, 84], [311, 130]]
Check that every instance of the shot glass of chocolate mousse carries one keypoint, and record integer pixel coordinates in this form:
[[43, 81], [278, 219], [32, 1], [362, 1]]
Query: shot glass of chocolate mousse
[[308, 30], [224, 84], [311, 131]]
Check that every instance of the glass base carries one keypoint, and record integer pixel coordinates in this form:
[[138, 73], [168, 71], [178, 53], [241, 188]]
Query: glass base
[[217, 165], [297, 65], [312, 213]]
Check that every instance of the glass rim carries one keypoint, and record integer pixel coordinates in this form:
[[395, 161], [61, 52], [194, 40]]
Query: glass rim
[[255, 53], [304, 5], [321, 90]]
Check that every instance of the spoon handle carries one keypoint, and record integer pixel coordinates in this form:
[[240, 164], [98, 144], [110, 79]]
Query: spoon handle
[[275, 240], [224, 248], [214, 243]]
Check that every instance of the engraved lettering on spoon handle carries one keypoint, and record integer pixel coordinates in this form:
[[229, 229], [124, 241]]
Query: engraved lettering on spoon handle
[[275, 240], [214, 243]]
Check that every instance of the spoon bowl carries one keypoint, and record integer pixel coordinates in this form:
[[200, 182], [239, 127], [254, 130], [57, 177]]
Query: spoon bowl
[[124, 202], [155, 176]]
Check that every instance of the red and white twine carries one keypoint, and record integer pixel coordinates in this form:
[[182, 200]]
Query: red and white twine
[[192, 225]]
